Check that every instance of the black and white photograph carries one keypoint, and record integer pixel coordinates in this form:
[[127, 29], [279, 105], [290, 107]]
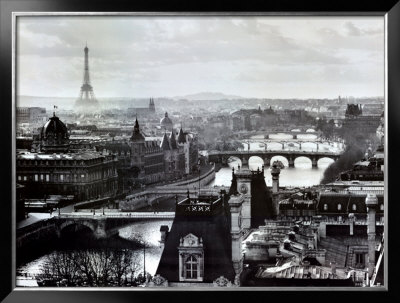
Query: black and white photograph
[[199, 151]]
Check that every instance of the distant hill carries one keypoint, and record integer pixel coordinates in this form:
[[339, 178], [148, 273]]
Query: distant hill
[[208, 96]]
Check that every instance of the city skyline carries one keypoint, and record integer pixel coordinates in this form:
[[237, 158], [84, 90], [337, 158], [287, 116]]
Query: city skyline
[[251, 57]]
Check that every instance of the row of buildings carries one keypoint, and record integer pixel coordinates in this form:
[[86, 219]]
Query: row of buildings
[[255, 236], [147, 160], [326, 238], [54, 164]]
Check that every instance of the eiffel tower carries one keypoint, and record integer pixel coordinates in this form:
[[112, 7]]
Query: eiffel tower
[[87, 101]]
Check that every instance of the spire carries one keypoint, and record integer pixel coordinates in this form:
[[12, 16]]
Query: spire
[[136, 127], [181, 136], [173, 140], [165, 142], [136, 135]]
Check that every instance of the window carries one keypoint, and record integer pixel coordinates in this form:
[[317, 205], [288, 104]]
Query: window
[[24, 178], [360, 259], [381, 207], [339, 206], [82, 176], [191, 267], [61, 177], [47, 178], [19, 178], [41, 177], [36, 177], [325, 206], [354, 207]]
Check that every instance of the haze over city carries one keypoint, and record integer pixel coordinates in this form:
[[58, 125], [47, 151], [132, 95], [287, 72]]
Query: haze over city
[[249, 57]]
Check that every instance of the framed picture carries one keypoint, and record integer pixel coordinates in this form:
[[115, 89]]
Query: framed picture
[[156, 151]]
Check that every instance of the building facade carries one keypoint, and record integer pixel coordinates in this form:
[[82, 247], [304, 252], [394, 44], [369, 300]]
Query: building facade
[[31, 115], [147, 160], [55, 169], [356, 121]]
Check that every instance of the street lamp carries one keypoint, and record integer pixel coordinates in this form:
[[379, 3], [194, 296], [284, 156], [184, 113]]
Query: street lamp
[[198, 163]]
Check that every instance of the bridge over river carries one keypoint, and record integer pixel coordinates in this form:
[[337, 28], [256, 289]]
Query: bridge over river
[[299, 143], [101, 224], [151, 195], [267, 155]]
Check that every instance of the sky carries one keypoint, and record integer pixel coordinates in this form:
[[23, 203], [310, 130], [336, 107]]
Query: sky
[[161, 56]]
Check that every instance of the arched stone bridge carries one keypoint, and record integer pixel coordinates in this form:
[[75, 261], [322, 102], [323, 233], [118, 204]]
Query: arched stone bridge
[[303, 131], [296, 143], [267, 155], [103, 225], [153, 194]]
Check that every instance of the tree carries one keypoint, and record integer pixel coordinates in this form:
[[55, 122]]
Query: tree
[[108, 267]]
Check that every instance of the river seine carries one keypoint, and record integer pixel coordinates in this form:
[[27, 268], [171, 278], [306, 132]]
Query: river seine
[[303, 174]]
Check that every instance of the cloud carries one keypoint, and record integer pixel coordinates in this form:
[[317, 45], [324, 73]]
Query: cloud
[[351, 29], [183, 55]]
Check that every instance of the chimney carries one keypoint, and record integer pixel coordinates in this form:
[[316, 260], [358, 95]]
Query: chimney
[[371, 202]]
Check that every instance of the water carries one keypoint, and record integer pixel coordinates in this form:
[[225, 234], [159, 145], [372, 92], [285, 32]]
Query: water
[[149, 230], [303, 174]]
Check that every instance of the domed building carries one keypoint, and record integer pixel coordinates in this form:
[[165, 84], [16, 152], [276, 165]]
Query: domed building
[[166, 123], [54, 136], [57, 169]]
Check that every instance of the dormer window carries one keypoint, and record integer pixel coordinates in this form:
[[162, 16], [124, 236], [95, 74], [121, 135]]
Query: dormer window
[[325, 206], [339, 206], [191, 259], [354, 207]]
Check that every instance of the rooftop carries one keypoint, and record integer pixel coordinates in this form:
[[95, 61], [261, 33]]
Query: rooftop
[[80, 155]]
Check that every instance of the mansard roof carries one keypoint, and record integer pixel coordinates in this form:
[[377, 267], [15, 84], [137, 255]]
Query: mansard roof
[[213, 229]]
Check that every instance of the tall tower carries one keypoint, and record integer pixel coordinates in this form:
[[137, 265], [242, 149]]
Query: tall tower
[[87, 101], [236, 210], [152, 107], [137, 143], [243, 177]]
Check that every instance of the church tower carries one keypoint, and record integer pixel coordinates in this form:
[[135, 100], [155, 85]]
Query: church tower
[[137, 151], [152, 107]]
